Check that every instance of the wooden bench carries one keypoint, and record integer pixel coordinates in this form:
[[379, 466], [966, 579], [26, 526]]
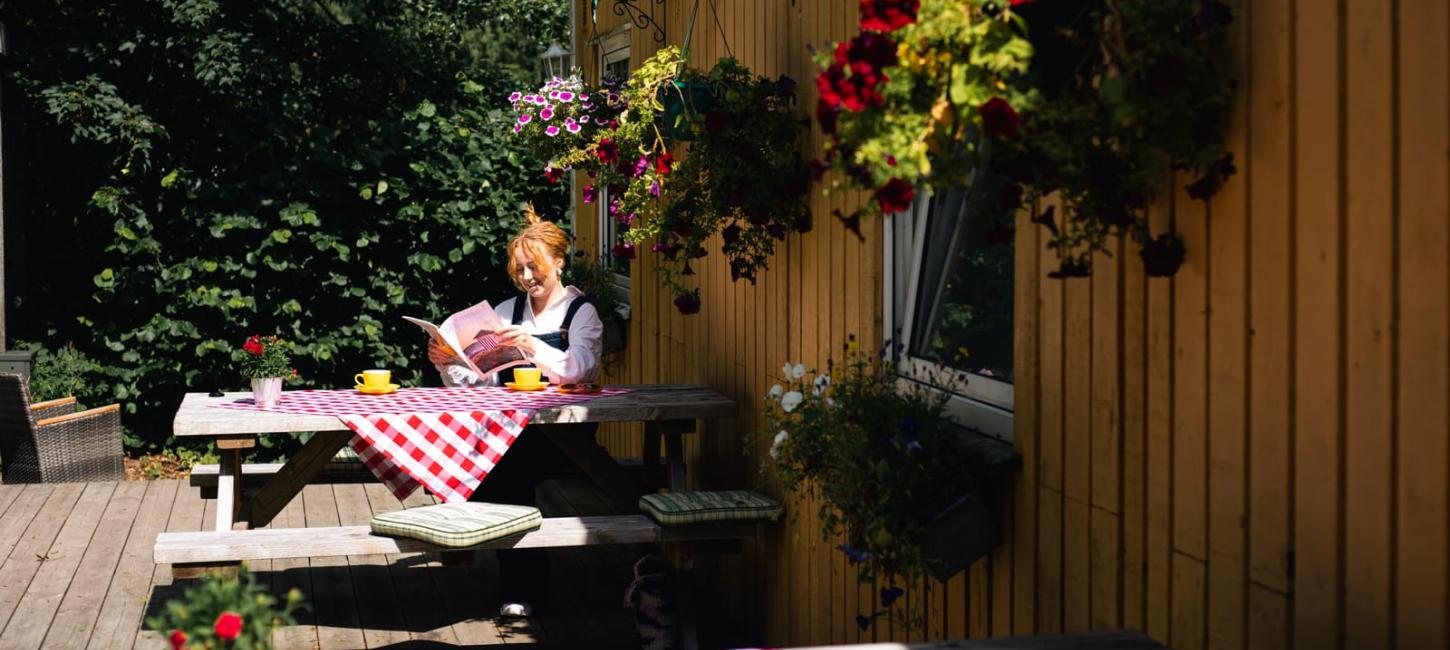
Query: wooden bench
[[217, 548]]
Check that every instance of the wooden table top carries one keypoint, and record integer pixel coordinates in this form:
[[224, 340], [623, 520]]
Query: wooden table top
[[196, 417]]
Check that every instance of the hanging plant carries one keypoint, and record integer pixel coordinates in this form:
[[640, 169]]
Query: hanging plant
[[1094, 101], [742, 176]]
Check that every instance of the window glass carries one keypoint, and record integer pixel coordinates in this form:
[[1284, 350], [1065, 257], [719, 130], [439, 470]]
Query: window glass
[[615, 73]]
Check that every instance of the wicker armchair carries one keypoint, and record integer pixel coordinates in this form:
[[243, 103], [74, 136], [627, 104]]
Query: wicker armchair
[[50, 442]]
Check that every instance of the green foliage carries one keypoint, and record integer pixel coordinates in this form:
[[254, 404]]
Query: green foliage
[[597, 281], [314, 170], [878, 454], [198, 614], [63, 372]]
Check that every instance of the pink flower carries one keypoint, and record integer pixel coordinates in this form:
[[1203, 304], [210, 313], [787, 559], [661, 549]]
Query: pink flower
[[228, 626]]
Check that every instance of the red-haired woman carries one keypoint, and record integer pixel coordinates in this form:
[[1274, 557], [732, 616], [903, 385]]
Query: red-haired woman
[[560, 331]]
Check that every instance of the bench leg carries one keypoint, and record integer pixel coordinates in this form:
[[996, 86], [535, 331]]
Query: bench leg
[[299, 470], [228, 488], [684, 560]]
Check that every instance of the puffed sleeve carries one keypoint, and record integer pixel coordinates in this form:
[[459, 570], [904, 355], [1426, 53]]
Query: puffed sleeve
[[586, 346]]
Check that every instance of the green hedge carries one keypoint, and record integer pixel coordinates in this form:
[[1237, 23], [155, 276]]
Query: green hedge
[[194, 174]]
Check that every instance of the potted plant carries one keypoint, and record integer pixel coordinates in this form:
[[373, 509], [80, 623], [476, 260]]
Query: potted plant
[[225, 612], [891, 474], [1094, 102], [743, 176], [264, 360]]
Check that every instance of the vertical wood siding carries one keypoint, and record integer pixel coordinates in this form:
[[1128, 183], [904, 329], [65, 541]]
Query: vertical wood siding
[[1254, 453]]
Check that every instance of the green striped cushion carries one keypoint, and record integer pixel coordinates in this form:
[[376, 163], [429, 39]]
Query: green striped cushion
[[457, 525], [697, 507]]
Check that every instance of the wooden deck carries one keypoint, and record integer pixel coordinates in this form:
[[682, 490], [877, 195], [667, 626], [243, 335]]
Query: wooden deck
[[77, 572]]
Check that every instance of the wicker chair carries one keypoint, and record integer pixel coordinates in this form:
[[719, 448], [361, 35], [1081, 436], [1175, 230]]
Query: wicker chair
[[50, 442]]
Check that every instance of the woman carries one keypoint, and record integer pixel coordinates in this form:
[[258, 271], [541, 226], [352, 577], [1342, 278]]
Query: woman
[[555, 327]]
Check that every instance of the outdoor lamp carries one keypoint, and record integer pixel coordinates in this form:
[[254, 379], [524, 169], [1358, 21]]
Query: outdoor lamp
[[555, 61]]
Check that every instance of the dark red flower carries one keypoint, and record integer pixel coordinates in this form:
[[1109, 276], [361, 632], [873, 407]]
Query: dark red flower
[[613, 125], [607, 152], [254, 346], [228, 626], [895, 196], [664, 164], [1162, 255], [553, 174], [999, 120], [177, 639], [624, 251], [826, 115], [688, 303], [888, 15], [1018, 3]]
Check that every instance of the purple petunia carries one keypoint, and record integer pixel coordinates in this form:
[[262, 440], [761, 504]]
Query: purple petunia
[[547, 113], [551, 130], [565, 96], [654, 188], [518, 128], [516, 96], [524, 119], [530, 98], [583, 119], [553, 94], [572, 126], [640, 165], [539, 99], [913, 446], [590, 193]]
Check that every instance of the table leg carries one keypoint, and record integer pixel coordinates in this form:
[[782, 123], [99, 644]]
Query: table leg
[[675, 450], [650, 459], [228, 488], [299, 470], [579, 445]]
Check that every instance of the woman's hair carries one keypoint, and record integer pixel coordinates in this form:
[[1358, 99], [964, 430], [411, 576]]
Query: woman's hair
[[542, 241]]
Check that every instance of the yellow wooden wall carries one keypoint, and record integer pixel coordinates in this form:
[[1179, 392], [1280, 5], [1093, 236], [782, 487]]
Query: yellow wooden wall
[[1252, 454]]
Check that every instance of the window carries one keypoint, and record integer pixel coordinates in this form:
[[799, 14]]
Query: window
[[613, 66], [949, 305]]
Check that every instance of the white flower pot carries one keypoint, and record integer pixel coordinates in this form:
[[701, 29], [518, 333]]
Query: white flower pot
[[266, 391]]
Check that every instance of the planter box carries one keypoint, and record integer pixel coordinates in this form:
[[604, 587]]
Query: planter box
[[17, 362], [961, 534], [684, 102]]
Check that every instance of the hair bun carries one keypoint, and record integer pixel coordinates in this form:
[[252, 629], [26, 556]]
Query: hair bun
[[531, 217]]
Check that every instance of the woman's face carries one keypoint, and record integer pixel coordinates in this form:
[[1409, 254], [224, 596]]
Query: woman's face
[[537, 280]]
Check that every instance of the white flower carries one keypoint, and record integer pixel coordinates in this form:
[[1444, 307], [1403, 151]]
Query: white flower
[[780, 439], [821, 383], [796, 372], [776, 391], [830, 402], [790, 400]]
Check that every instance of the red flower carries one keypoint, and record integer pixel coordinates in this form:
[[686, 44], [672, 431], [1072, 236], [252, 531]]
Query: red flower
[[889, 15], [624, 251], [254, 345], [1017, 3], [228, 626], [553, 174], [177, 639], [998, 118], [895, 196], [664, 164], [607, 151]]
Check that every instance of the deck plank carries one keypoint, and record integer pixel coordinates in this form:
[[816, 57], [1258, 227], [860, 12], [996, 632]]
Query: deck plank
[[377, 602], [24, 559], [121, 612], [189, 513], [333, 599], [76, 616], [19, 516], [422, 608], [53, 576], [292, 574], [8, 495]]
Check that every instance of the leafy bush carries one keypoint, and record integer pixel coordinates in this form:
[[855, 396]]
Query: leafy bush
[[63, 372], [310, 169], [225, 612]]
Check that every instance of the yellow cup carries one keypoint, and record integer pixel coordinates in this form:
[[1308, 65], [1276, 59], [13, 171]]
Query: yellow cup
[[374, 378], [527, 376]]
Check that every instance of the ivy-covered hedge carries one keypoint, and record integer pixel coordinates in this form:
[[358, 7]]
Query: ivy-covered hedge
[[192, 173]]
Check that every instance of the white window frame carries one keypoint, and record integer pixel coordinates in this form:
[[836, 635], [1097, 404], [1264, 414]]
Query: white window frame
[[613, 48], [981, 403]]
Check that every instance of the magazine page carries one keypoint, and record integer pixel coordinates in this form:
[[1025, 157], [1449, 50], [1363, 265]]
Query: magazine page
[[470, 334]]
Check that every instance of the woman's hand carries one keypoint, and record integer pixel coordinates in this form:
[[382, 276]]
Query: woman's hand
[[514, 336], [440, 354]]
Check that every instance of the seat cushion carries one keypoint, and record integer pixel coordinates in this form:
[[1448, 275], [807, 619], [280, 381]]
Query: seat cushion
[[696, 507], [457, 525]]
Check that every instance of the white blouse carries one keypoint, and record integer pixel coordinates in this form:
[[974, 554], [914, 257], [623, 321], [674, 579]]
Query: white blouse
[[580, 363]]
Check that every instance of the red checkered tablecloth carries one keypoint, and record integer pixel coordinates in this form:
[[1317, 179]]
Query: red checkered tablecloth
[[446, 439]]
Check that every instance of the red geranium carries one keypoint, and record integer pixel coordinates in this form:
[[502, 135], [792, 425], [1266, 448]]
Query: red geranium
[[607, 152], [888, 15], [254, 345], [228, 626], [177, 639], [999, 119], [895, 196], [664, 164]]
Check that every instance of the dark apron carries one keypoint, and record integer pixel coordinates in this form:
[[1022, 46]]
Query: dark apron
[[558, 340]]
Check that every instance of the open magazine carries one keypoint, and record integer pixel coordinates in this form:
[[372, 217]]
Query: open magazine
[[470, 334]]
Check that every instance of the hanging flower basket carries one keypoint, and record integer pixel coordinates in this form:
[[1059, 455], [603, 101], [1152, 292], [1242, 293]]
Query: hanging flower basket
[[686, 103], [964, 532]]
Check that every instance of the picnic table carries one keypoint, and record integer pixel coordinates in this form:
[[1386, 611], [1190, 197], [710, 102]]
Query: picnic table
[[667, 411]]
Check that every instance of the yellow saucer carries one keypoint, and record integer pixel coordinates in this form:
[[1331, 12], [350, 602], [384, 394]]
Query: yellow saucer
[[369, 390], [513, 385]]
